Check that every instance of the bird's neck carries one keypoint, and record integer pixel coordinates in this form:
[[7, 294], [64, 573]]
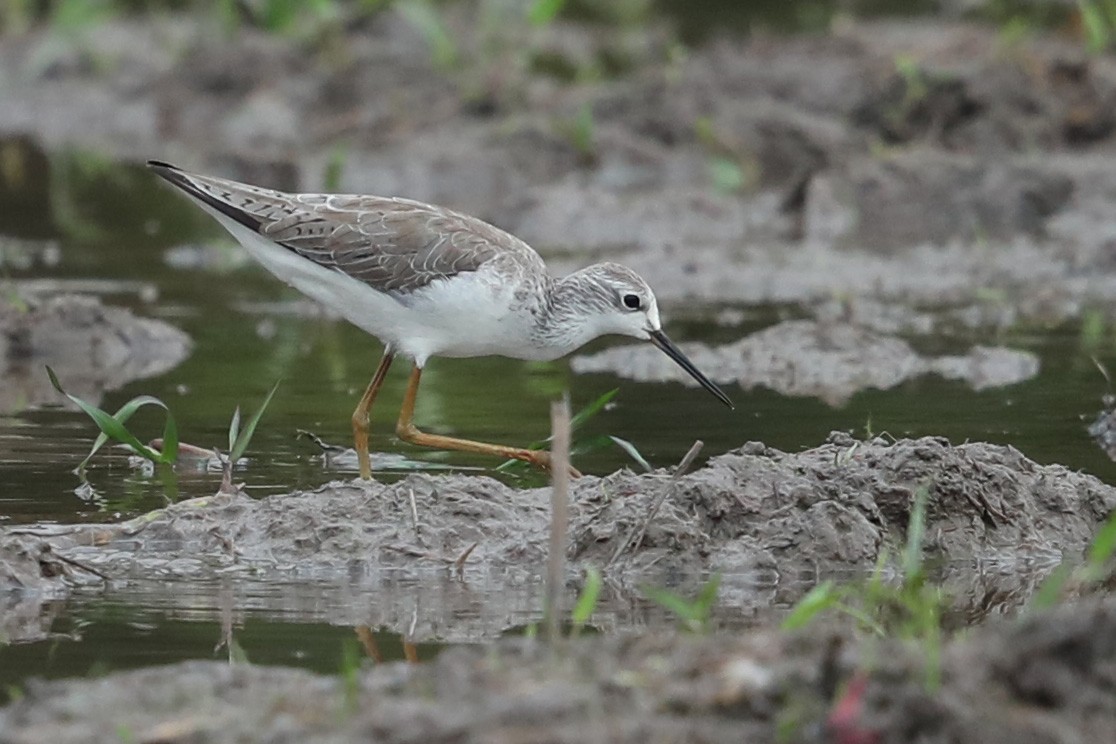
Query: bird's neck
[[565, 319]]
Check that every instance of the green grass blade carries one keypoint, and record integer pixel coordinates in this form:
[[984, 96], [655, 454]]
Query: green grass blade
[[668, 600], [817, 600], [507, 465], [592, 409], [170, 437], [122, 415], [1096, 31], [694, 613], [109, 425], [423, 17], [234, 428], [586, 601], [542, 12], [579, 447], [169, 481], [592, 444], [237, 654], [1050, 591], [245, 436], [632, 452], [916, 529], [1103, 545], [863, 618], [707, 597]]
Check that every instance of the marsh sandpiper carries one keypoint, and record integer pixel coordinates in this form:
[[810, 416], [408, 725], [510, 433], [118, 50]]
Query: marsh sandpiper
[[428, 281]]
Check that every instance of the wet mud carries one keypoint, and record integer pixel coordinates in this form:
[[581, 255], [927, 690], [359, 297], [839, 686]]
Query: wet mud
[[884, 160], [1047, 677], [827, 360], [91, 346], [753, 510]]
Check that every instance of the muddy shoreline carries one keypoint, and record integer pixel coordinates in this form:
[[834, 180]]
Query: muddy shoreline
[[836, 507], [1047, 677]]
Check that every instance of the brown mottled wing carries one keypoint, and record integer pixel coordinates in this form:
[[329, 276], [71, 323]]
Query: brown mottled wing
[[393, 245]]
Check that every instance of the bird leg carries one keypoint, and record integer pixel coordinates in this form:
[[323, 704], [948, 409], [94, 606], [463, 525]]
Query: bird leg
[[360, 415], [407, 431]]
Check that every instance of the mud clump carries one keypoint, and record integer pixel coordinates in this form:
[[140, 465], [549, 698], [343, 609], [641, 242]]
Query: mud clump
[[828, 360], [1049, 673], [91, 346], [26, 563], [1103, 428], [834, 507]]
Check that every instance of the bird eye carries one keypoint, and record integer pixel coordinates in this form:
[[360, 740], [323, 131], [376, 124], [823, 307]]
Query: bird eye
[[631, 301]]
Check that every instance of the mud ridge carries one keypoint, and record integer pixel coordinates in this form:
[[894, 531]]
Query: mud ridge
[[833, 507]]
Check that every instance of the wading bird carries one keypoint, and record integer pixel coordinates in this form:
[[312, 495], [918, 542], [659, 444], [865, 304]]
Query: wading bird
[[428, 281]]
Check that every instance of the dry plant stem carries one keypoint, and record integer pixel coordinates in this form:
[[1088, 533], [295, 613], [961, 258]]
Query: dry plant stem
[[410, 650], [459, 564], [414, 514], [226, 474], [687, 459], [79, 565], [360, 415], [559, 514], [636, 535], [407, 431], [225, 600]]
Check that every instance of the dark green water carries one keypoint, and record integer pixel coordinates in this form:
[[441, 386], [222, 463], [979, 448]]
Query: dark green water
[[117, 224]]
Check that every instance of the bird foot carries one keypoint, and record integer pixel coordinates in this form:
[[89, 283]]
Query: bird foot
[[541, 460]]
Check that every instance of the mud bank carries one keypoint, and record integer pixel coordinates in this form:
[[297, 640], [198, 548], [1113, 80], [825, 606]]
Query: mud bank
[[91, 346], [971, 165], [1046, 678], [831, 508], [831, 361]]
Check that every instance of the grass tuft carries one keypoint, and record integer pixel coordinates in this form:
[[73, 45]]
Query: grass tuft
[[112, 426]]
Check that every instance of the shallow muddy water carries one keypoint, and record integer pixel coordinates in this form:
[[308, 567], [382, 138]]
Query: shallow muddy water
[[80, 223]]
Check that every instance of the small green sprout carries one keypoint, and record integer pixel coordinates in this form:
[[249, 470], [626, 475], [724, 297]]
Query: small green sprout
[[694, 613], [586, 601], [112, 426], [239, 439], [576, 422], [423, 17], [1095, 569], [581, 132], [911, 610], [543, 12]]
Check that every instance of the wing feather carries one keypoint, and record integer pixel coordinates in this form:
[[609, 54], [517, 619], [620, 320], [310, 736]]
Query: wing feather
[[393, 245]]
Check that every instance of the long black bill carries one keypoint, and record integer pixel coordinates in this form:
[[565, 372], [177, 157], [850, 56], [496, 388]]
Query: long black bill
[[660, 339]]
